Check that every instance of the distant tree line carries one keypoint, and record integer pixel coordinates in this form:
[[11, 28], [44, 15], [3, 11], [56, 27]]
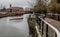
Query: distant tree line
[[53, 8]]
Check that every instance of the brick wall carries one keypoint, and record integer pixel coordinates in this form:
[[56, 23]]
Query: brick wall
[[16, 9]]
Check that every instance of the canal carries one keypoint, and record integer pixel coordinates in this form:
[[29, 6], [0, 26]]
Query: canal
[[14, 26]]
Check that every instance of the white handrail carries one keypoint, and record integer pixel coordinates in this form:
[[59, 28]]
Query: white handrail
[[55, 29], [37, 31]]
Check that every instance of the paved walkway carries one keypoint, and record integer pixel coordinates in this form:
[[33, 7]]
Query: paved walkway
[[53, 22]]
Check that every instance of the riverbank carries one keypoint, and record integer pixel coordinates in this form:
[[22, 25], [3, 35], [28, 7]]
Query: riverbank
[[8, 15], [32, 26]]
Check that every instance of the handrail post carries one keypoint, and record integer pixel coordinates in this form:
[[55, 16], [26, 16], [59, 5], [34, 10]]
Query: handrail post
[[42, 26], [46, 30], [55, 34], [51, 26]]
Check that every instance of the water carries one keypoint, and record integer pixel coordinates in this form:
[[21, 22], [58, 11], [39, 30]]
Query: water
[[14, 28]]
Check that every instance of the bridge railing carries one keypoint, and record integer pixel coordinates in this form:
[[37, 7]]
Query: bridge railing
[[46, 29]]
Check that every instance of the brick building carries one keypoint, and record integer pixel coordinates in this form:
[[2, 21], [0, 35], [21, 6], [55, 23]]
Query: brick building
[[18, 10]]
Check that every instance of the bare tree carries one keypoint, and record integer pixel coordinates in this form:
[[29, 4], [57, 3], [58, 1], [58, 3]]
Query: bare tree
[[32, 4]]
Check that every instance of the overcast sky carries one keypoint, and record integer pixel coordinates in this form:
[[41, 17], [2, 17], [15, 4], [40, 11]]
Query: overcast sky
[[19, 3]]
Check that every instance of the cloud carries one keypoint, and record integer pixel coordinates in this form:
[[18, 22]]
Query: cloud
[[22, 3]]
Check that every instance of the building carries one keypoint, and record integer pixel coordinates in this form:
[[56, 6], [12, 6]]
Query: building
[[4, 14], [18, 10], [28, 10]]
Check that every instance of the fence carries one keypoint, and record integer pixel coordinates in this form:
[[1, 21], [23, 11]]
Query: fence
[[46, 29], [54, 16]]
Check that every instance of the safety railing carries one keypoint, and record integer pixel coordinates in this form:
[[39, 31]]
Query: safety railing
[[46, 29]]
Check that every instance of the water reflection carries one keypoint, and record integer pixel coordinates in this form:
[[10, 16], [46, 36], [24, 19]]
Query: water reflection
[[16, 19], [14, 28]]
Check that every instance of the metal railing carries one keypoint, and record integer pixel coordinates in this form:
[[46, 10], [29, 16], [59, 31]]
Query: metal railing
[[54, 16], [44, 28]]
